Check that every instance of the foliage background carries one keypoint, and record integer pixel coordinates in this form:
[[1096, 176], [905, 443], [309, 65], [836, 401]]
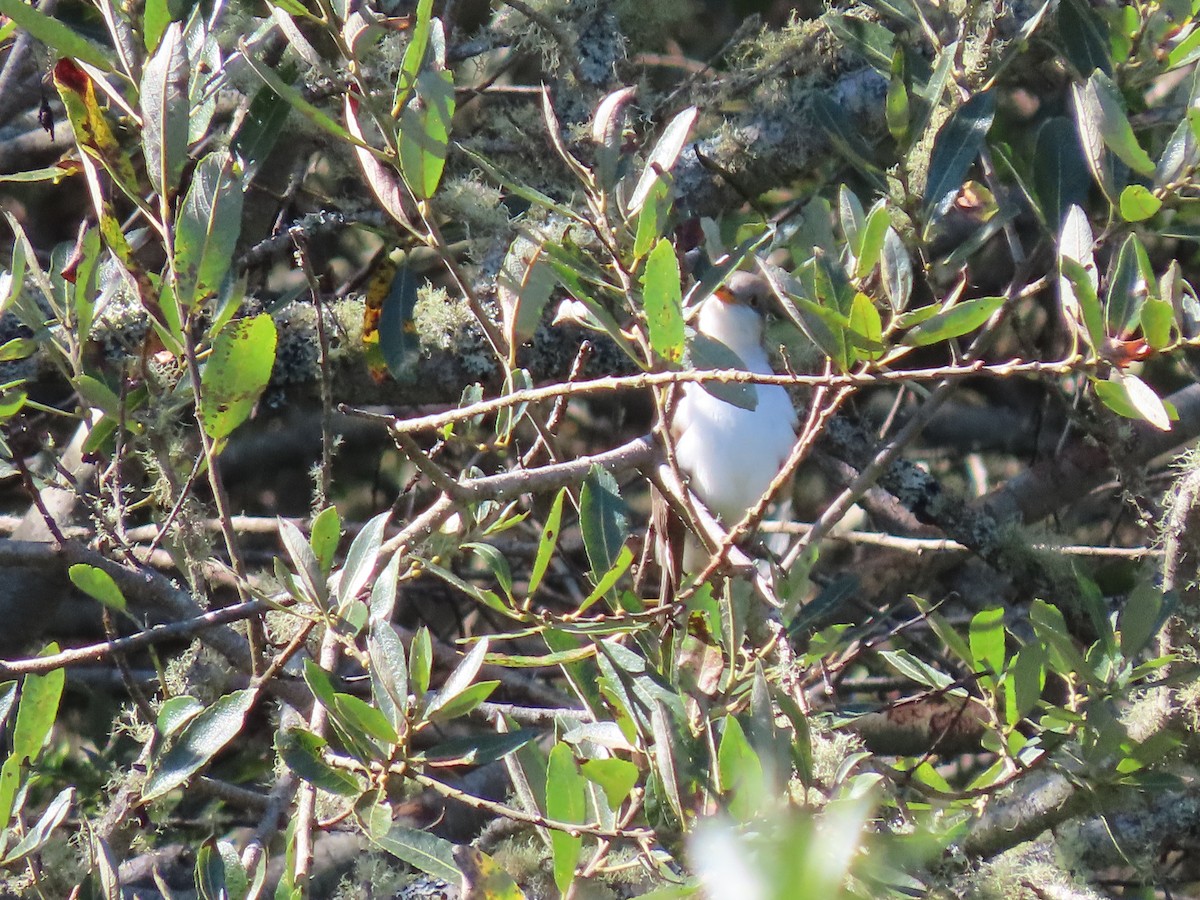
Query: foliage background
[[323, 570]]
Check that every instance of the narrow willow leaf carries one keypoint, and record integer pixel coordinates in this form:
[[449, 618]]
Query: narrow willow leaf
[[164, 92], [207, 229], [851, 217], [427, 852], [566, 801], [425, 133], [301, 752], [462, 676], [603, 519], [662, 299], [663, 157], [37, 710], [55, 34], [200, 741], [954, 151], [38, 836], [383, 180], [954, 322], [897, 271], [1079, 279], [236, 374], [870, 39], [548, 541], [871, 241], [1085, 37], [361, 559], [1103, 100], [897, 98], [414, 55], [1060, 172], [324, 537], [98, 585]]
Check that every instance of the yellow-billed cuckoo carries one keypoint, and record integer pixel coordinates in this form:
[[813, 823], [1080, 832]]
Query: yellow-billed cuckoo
[[729, 455]]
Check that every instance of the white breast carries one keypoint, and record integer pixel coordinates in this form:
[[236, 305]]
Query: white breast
[[730, 454]]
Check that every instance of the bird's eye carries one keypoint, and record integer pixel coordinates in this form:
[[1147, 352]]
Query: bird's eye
[[753, 301]]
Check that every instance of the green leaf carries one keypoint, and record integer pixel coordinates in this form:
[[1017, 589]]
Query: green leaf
[[663, 157], [705, 353], [870, 39], [653, 217], [566, 801], [301, 751], [741, 772], [427, 852], [1102, 104], [1027, 675], [662, 299], [414, 55], [1141, 618], [617, 777], [603, 519], [866, 323], [986, 636], [458, 680], [236, 374], [897, 98], [524, 286], [36, 711], [896, 269], [1138, 204], [847, 141], [954, 322], [1060, 174], [203, 738], [1084, 36], [164, 91], [207, 229], [496, 562], [1126, 290], [361, 559], [293, 97], [98, 585], [1129, 396], [420, 661], [480, 749], [548, 542], [261, 128], [389, 672], [954, 151], [1179, 156], [918, 670], [606, 582], [324, 537], [39, 835], [54, 34], [425, 133], [465, 701], [872, 239], [398, 340], [851, 217], [1157, 320], [176, 712]]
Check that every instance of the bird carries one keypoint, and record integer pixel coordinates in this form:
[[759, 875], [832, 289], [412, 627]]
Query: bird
[[729, 455]]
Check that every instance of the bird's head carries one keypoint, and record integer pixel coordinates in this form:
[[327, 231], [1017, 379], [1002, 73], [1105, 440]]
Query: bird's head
[[734, 313]]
